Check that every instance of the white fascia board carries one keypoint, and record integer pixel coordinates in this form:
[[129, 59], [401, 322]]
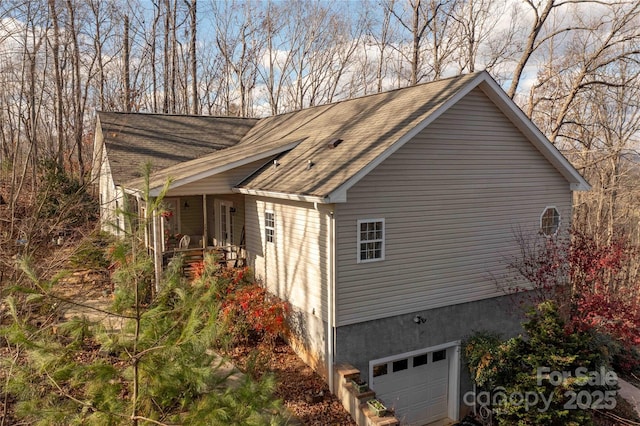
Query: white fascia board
[[99, 151], [339, 195], [131, 191], [155, 191], [531, 131], [282, 195]]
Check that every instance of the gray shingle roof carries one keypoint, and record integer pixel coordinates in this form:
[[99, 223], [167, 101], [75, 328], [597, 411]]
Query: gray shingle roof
[[213, 163], [133, 139], [368, 126]]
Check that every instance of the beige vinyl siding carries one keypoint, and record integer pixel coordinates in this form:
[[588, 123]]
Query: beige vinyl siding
[[191, 217], [453, 199], [111, 197], [295, 266], [220, 183]]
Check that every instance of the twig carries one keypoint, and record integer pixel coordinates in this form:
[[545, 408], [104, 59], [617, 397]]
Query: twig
[[67, 395]]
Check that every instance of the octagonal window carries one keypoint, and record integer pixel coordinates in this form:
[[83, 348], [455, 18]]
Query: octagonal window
[[550, 221]]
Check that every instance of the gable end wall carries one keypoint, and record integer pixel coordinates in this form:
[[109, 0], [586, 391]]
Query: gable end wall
[[453, 199], [110, 196]]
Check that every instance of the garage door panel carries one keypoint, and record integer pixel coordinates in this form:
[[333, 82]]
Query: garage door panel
[[419, 394]]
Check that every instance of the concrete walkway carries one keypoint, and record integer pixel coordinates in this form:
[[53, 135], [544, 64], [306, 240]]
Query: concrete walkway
[[630, 393]]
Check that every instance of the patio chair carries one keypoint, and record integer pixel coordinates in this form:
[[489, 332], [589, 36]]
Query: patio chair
[[184, 242]]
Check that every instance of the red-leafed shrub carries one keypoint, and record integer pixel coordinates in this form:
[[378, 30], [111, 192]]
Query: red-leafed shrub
[[252, 314], [604, 297], [591, 282], [248, 312], [198, 269]]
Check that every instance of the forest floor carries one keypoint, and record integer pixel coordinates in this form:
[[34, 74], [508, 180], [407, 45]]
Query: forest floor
[[303, 393]]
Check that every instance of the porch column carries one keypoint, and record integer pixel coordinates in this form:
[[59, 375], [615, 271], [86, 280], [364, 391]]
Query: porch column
[[157, 249], [205, 236]]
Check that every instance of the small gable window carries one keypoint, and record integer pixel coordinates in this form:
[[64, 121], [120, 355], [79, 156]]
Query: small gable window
[[550, 221], [370, 240], [269, 226]]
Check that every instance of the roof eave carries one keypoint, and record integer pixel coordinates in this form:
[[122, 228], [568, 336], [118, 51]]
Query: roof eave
[[131, 191], [577, 186], [157, 187], [283, 195]]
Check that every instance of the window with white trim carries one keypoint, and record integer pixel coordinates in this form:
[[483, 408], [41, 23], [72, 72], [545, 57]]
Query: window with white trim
[[269, 226], [370, 240], [550, 221]]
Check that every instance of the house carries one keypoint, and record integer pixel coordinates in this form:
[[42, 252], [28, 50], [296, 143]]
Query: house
[[380, 219]]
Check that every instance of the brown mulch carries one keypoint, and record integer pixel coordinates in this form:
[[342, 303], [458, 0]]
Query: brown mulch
[[302, 391]]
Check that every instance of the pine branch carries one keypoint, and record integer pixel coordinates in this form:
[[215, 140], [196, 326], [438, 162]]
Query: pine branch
[[146, 419]]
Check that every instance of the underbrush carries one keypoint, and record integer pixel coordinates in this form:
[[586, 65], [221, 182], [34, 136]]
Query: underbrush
[[156, 367]]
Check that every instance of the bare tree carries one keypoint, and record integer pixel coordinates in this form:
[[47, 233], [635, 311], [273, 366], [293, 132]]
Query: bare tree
[[58, 81], [241, 49], [101, 30], [381, 43], [126, 80], [192, 5], [77, 103], [538, 36], [166, 56], [279, 59], [477, 38], [422, 13]]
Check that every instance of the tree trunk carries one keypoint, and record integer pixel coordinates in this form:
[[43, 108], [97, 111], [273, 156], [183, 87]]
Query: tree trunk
[[530, 46], [78, 109], [126, 73], [58, 116], [174, 58], [194, 62], [167, 31], [415, 57]]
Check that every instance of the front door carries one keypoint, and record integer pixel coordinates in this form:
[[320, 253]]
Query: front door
[[224, 225]]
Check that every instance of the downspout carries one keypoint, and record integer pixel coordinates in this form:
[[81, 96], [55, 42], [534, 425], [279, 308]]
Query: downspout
[[331, 301]]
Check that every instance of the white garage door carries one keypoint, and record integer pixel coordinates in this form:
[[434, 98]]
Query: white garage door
[[416, 385]]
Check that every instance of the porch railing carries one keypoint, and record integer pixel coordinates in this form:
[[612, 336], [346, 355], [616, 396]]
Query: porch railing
[[229, 255]]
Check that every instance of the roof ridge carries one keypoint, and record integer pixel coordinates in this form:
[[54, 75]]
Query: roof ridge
[[328, 104], [162, 114], [370, 95]]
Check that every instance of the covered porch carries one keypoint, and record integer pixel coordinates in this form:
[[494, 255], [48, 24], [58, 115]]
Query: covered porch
[[192, 225]]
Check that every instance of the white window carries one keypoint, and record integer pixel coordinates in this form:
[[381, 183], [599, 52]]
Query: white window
[[550, 221], [370, 240], [269, 227]]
